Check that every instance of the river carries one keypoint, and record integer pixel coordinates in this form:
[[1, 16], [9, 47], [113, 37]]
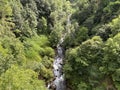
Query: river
[[59, 81]]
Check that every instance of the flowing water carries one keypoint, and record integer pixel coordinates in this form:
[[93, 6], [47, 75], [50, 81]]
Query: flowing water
[[59, 82]]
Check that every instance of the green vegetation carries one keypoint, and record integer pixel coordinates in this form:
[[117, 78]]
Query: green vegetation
[[31, 29], [17, 79], [92, 49]]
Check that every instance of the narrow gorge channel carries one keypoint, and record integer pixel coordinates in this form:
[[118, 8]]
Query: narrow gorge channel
[[59, 81]]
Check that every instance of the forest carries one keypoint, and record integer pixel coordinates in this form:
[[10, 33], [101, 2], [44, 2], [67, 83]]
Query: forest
[[31, 30]]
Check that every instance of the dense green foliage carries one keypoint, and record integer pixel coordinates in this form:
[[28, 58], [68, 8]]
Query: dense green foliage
[[31, 29], [92, 49], [17, 79]]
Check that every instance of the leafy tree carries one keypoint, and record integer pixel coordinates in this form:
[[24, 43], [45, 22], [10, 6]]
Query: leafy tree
[[76, 37], [5, 8], [85, 61], [39, 56], [112, 53], [114, 25], [16, 78], [104, 31], [54, 38], [81, 34], [111, 10], [12, 52]]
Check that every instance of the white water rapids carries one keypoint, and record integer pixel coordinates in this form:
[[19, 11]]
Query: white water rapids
[[58, 72], [59, 82]]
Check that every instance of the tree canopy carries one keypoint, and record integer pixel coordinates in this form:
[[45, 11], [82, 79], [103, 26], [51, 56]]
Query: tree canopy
[[30, 31]]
